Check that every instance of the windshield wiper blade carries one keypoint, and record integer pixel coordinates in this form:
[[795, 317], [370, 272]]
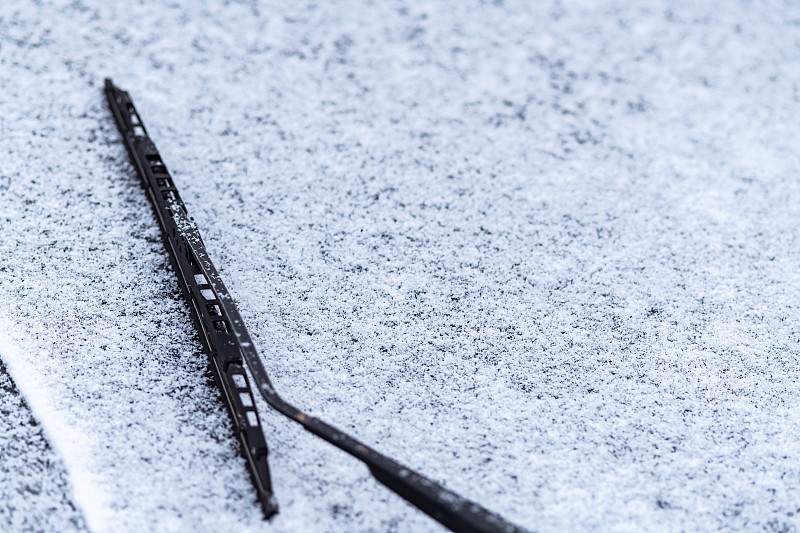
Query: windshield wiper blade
[[228, 344]]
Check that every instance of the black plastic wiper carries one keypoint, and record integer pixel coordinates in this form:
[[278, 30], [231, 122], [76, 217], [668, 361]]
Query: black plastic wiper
[[229, 345]]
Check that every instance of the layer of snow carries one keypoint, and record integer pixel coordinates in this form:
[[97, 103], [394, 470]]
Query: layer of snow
[[34, 492], [546, 254]]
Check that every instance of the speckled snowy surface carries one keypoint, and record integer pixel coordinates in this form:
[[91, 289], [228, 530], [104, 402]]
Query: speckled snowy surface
[[34, 491], [546, 254]]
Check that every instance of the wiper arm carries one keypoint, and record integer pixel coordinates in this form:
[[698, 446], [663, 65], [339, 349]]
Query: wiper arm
[[228, 344]]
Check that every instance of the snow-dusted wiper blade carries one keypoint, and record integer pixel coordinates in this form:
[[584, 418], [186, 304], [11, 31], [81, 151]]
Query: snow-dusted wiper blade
[[227, 342], [211, 308]]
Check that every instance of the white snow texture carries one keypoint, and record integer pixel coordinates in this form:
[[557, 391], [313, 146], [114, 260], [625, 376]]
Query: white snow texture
[[545, 253]]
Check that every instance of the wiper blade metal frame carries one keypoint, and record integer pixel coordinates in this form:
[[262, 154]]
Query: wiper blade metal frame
[[227, 341]]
